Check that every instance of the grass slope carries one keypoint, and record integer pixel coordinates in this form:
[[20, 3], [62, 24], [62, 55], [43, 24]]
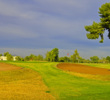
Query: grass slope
[[65, 86]]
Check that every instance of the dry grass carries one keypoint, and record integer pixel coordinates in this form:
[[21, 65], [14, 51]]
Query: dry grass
[[88, 72], [89, 76], [23, 84], [5, 67]]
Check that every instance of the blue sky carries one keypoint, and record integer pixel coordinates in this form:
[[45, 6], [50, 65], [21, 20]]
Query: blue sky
[[35, 26]]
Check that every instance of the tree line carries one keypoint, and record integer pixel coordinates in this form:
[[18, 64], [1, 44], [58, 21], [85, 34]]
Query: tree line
[[31, 57], [53, 56]]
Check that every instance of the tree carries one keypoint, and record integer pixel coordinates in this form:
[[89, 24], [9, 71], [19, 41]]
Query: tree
[[6, 53], [9, 57], [64, 59], [40, 57], [48, 56], [108, 58], [97, 29], [94, 59], [55, 53], [104, 12], [0, 55], [18, 58], [52, 55], [75, 57], [26, 58], [103, 60], [32, 57]]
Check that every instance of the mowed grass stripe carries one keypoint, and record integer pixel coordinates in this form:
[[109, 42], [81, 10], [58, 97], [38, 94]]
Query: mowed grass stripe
[[23, 84], [65, 86]]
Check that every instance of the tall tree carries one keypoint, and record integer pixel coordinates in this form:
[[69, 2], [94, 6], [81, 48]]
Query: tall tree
[[53, 55], [97, 29], [104, 12], [48, 56], [75, 57]]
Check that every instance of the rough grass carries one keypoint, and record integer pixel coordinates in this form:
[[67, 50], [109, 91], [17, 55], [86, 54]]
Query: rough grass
[[23, 84], [65, 86]]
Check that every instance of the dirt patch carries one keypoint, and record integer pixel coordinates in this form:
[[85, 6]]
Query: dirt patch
[[6, 67], [83, 69]]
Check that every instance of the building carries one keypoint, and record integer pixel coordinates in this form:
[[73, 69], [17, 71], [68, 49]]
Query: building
[[4, 58]]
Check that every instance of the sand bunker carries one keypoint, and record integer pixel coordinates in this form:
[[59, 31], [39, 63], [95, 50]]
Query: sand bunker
[[6, 67], [83, 69]]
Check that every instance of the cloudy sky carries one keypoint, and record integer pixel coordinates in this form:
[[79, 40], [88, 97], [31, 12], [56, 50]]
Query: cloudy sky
[[35, 26]]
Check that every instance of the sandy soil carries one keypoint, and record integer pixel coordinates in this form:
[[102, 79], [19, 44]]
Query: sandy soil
[[83, 69], [5, 67]]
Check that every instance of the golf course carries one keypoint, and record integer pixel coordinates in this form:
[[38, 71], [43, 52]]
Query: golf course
[[54, 81]]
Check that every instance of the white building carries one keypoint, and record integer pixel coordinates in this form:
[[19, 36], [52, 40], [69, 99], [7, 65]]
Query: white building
[[4, 58]]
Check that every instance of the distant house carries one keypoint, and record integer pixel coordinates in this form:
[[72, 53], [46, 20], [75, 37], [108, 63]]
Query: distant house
[[4, 58]]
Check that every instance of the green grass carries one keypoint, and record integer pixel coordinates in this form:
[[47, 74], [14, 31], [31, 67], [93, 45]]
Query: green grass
[[64, 86]]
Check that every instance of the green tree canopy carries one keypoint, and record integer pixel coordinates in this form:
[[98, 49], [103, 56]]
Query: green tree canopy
[[75, 57], [108, 58], [40, 57], [18, 58], [9, 57], [33, 57], [97, 29], [94, 59], [52, 55], [64, 59], [6, 53]]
